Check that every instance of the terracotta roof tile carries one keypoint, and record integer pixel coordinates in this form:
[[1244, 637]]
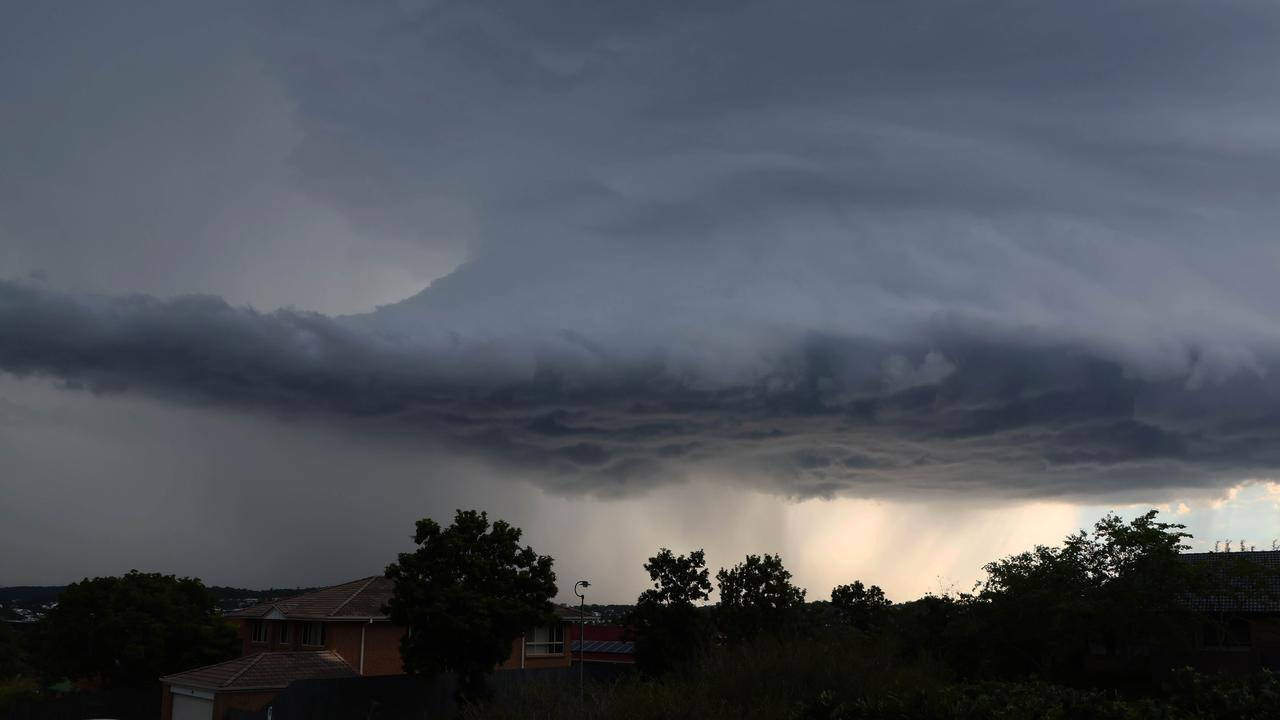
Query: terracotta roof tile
[[361, 598], [264, 671]]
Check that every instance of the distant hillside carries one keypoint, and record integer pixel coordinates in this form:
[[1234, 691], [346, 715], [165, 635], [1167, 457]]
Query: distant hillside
[[30, 594], [32, 597]]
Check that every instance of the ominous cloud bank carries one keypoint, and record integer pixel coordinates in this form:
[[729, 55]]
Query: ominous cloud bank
[[1002, 248], [955, 405]]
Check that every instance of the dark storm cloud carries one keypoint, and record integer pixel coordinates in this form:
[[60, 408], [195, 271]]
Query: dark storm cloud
[[1002, 418], [1004, 248]]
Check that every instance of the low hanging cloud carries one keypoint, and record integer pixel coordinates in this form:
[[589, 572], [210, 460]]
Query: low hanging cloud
[[982, 248], [954, 403]]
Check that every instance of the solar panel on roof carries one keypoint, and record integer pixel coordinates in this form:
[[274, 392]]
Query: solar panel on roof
[[605, 646]]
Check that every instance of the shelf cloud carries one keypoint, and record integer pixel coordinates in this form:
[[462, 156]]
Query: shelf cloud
[[856, 248]]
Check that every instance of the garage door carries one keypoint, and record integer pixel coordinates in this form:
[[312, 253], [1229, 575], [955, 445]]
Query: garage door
[[186, 707]]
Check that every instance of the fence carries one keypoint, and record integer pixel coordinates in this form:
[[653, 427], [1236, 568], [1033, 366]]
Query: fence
[[402, 697], [116, 704]]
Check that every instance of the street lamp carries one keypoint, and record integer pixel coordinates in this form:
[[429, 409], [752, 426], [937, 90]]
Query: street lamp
[[582, 620]]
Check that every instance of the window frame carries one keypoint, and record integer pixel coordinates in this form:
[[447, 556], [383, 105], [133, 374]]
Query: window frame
[[544, 648], [258, 632], [283, 637], [307, 627]]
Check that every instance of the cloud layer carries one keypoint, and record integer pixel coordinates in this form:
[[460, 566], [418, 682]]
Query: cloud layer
[[1011, 249]]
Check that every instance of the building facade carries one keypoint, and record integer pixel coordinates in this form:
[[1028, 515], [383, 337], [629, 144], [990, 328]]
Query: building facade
[[334, 632]]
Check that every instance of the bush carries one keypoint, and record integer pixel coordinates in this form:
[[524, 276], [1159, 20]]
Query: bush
[[848, 676]]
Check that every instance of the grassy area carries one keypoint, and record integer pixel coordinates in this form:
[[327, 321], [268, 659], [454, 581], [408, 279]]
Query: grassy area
[[844, 676]]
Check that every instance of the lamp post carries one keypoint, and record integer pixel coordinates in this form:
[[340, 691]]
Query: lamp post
[[582, 617]]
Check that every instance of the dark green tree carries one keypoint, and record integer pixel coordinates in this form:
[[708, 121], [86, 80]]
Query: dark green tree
[[465, 594], [13, 653], [130, 630], [756, 596], [865, 608], [1119, 590], [670, 628]]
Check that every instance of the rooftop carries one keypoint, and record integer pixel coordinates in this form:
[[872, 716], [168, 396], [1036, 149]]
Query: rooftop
[[1249, 581], [264, 671], [361, 599]]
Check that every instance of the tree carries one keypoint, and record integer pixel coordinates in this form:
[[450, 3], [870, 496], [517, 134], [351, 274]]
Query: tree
[[13, 656], [865, 608], [131, 630], [756, 596], [465, 594], [1118, 590], [670, 629]]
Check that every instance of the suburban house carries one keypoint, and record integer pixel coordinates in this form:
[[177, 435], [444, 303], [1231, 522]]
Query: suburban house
[[604, 644], [334, 632], [1242, 628]]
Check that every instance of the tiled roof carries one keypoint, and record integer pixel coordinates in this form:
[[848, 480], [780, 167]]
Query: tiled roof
[[264, 671], [363, 598], [564, 612], [1248, 581]]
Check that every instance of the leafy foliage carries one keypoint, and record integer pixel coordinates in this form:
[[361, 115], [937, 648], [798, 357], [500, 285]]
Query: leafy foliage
[[132, 629], [1117, 591], [13, 654], [846, 675], [863, 607], [670, 629], [756, 596], [465, 594]]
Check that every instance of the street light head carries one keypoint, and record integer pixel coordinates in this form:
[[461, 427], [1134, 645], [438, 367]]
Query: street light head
[[586, 584]]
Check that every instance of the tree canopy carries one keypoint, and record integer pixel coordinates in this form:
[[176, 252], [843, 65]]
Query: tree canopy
[[465, 594], [13, 656], [670, 629], [756, 596], [132, 629], [860, 606], [1118, 590]]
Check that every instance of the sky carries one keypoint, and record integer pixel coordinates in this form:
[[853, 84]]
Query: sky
[[890, 288]]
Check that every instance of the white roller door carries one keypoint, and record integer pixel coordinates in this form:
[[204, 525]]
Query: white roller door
[[189, 707]]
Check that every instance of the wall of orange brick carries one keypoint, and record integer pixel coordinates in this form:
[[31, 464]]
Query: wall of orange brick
[[248, 701], [381, 645], [537, 661], [382, 649]]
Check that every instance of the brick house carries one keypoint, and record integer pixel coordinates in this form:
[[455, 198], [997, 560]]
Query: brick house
[[1241, 632], [333, 632], [604, 643]]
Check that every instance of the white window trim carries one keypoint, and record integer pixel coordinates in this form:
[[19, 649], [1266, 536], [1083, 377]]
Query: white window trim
[[545, 648]]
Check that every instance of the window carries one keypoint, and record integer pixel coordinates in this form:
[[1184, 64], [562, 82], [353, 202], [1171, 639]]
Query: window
[[313, 634], [545, 640], [1233, 634], [258, 631], [284, 633]]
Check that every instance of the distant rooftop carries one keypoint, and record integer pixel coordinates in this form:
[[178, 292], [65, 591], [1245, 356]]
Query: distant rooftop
[[1249, 581], [361, 599], [264, 671], [573, 614]]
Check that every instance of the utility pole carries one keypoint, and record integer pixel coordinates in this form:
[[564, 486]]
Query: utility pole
[[582, 622]]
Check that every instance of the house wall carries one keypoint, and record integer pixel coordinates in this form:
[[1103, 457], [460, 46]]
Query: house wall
[[166, 702], [247, 701], [381, 645], [1263, 650], [537, 661]]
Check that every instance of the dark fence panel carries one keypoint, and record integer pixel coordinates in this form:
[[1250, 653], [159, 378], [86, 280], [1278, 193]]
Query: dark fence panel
[[401, 697], [116, 704]]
